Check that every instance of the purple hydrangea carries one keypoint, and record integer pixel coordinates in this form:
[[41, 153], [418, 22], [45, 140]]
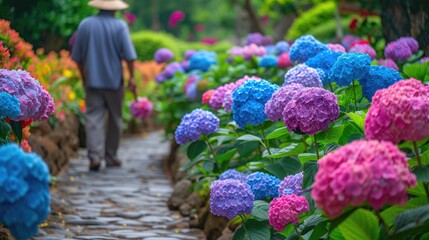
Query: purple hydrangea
[[263, 185], [401, 49], [268, 62], [364, 48], [249, 102], [423, 60], [163, 55], [202, 60], [35, 102], [169, 71], [24, 187], [9, 106], [304, 48], [188, 54], [324, 60], [349, 67], [378, 77], [275, 106], [233, 174], [310, 111], [194, 124], [217, 99], [230, 198], [291, 184], [304, 75], [388, 63], [336, 47], [255, 38], [282, 47], [348, 40]]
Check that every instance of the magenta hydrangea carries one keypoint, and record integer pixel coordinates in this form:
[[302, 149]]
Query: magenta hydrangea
[[364, 48], [286, 209], [284, 61], [230, 198], [400, 112], [277, 103], [163, 55], [336, 47], [141, 108], [291, 184], [310, 111], [304, 75], [194, 124], [35, 102], [388, 63], [362, 172], [401, 49]]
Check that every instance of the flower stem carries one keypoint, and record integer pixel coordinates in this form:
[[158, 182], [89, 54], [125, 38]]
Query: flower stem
[[297, 233], [305, 143], [383, 223], [419, 163], [267, 146], [330, 86], [354, 95], [210, 147], [316, 147]]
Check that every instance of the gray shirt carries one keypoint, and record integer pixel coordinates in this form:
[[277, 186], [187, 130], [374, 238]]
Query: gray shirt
[[102, 41]]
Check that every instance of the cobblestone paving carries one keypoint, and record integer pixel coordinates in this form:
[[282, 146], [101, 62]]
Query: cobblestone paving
[[120, 203]]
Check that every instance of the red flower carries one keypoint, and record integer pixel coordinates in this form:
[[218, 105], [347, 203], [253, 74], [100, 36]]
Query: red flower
[[199, 28], [353, 24]]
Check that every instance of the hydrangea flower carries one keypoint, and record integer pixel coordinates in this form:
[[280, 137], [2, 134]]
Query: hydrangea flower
[[189, 53], [422, 60], [363, 48], [349, 67], [218, 97], [255, 38], [194, 124], [190, 87], [202, 60], [362, 172], [401, 49], [336, 47], [24, 184], [291, 185], [310, 111], [230, 198], [263, 185], [400, 112], [169, 71], [286, 209], [282, 47], [268, 61], [304, 48], [227, 99], [378, 77], [388, 63], [324, 60], [141, 108], [207, 96], [233, 174], [275, 106], [163, 55], [270, 50], [9, 106], [253, 50], [304, 75], [249, 102], [35, 102], [284, 61], [348, 40]]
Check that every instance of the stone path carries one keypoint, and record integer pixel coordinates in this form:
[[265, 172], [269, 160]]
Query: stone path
[[121, 203]]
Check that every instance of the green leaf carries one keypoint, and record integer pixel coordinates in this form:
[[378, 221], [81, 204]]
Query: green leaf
[[390, 213], [319, 231], [305, 157], [257, 230], [196, 148], [245, 148], [416, 70], [422, 173], [337, 221], [260, 210], [310, 169], [250, 138], [311, 222], [362, 224], [240, 234], [418, 190], [290, 150], [226, 156], [208, 164], [411, 222], [279, 132], [17, 129], [358, 118], [4, 129], [284, 167], [332, 135]]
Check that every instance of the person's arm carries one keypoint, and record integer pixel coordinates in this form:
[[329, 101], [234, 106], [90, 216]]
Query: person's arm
[[131, 82]]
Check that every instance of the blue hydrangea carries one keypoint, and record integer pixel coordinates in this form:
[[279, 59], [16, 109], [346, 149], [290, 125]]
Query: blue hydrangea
[[270, 50], [324, 60], [304, 75], [282, 47], [202, 60], [24, 188], [291, 185], [323, 76], [349, 67], [233, 174], [268, 61], [230, 198], [249, 102], [263, 185], [304, 48], [378, 77], [194, 124], [9, 106]]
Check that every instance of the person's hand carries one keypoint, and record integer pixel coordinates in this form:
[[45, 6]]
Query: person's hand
[[132, 85]]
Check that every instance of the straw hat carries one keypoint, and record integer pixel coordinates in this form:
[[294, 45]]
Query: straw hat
[[108, 4]]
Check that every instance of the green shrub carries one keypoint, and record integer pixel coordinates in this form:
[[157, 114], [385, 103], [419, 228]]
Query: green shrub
[[147, 42], [318, 15]]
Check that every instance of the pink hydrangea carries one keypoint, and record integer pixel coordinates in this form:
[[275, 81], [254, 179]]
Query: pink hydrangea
[[253, 50], [217, 98], [207, 96], [400, 112], [310, 111], [336, 47], [35, 102], [284, 61], [275, 106], [388, 63], [286, 209], [363, 48], [362, 172], [141, 108]]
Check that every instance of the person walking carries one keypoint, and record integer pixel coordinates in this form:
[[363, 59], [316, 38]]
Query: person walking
[[101, 43]]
